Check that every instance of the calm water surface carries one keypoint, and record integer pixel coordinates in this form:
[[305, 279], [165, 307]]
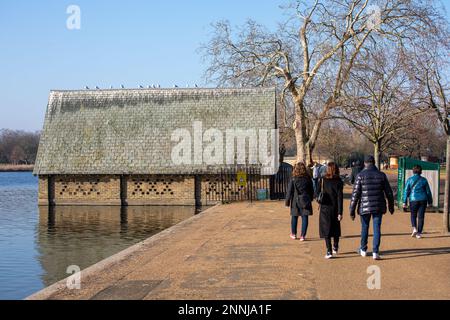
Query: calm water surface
[[37, 244]]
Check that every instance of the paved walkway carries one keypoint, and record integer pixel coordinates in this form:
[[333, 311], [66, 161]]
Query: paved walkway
[[243, 251]]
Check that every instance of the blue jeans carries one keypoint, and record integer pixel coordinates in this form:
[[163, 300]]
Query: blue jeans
[[315, 185], [365, 223], [294, 223], [418, 215]]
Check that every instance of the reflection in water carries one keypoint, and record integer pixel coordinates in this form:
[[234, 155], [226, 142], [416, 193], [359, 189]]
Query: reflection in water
[[83, 236], [38, 244]]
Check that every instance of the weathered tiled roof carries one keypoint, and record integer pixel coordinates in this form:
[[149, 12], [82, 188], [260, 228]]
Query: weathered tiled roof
[[129, 131]]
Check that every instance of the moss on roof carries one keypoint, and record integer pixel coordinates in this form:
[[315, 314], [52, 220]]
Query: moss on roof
[[129, 131]]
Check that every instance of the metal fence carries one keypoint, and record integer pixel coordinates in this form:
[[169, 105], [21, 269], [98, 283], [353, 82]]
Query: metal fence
[[280, 182], [234, 184], [246, 184]]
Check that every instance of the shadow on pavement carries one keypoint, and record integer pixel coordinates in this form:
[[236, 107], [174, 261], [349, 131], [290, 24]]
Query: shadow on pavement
[[416, 252], [406, 253]]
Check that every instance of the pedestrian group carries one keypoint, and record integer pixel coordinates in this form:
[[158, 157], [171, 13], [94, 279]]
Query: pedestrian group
[[371, 188]]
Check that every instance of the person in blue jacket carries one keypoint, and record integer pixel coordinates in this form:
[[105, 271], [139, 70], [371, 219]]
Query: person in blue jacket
[[417, 190]]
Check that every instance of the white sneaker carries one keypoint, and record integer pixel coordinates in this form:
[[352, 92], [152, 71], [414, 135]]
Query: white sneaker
[[362, 253], [335, 252], [376, 256], [414, 233], [419, 236], [328, 256]]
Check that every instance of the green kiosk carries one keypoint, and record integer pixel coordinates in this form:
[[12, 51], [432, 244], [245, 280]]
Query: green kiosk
[[431, 171]]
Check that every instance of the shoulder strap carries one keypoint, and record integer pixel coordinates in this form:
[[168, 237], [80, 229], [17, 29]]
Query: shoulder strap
[[413, 185]]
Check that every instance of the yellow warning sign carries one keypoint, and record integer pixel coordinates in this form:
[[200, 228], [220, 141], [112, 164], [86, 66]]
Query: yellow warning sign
[[242, 179]]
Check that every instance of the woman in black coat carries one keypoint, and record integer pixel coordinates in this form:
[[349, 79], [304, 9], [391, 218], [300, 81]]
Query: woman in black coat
[[331, 208], [299, 197]]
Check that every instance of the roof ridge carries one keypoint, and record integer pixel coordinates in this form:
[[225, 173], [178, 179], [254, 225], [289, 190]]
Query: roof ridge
[[164, 89]]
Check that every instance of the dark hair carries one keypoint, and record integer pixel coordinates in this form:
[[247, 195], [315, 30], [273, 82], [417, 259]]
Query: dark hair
[[332, 171], [417, 169], [300, 170], [369, 160]]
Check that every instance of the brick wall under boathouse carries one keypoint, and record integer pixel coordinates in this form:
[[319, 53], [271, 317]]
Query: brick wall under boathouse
[[80, 190], [109, 190], [161, 190], [142, 190]]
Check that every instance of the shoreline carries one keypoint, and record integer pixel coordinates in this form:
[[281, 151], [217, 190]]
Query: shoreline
[[57, 287], [16, 168]]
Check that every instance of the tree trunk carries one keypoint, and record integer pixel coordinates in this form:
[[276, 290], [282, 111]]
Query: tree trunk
[[301, 146], [376, 154], [447, 189], [300, 132], [309, 155]]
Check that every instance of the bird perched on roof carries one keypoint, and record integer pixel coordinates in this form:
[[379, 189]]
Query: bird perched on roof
[[196, 85], [111, 87], [97, 88], [86, 87], [141, 87], [122, 86], [175, 86]]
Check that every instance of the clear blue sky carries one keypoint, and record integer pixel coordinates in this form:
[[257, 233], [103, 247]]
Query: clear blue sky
[[120, 42]]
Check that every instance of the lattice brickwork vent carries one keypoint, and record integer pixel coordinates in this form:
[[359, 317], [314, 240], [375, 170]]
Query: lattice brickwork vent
[[152, 187], [74, 188]]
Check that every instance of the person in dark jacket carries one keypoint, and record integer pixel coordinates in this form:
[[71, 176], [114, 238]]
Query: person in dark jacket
[[369, 192], [298, 198], [417, 190], [331, 208]]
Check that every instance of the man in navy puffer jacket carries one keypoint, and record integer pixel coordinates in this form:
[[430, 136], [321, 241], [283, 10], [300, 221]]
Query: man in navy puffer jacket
[[369, 192]]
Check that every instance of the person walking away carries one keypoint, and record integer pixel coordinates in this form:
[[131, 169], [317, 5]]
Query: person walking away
[[299, 199], [417, 191], [331, 209], [356, 169], [369, 193], [323, 169], [316, 176]]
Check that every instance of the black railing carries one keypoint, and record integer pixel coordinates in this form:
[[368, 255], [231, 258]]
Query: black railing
[[280, 182], [226, 186]]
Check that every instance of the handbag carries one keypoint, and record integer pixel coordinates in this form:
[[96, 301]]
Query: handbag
[[319, 197]]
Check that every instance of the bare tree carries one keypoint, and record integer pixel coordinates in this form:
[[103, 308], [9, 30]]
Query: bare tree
[[431, 62], [321, 39], [425, 138], [380, 100], [18, 146], [337, 143]]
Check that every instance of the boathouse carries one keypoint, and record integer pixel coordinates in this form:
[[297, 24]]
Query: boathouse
[[155, 146]]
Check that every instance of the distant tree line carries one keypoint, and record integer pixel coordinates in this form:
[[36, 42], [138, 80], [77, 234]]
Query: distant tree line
[[18, 147]]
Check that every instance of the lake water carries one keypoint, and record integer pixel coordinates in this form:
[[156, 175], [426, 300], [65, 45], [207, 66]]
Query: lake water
[[38, 244]]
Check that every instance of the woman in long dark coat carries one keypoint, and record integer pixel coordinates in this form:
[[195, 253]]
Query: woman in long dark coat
[[331, 208], [299, 199]]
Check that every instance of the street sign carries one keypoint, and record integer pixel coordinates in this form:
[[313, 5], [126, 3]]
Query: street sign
[[242, 179]]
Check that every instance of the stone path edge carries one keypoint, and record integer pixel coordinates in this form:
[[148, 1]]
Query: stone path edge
[[49, 291]]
